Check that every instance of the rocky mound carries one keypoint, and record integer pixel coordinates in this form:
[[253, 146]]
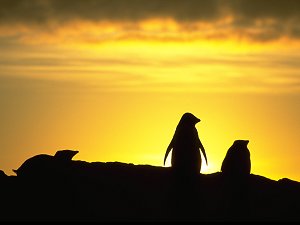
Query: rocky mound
[[57, 188]]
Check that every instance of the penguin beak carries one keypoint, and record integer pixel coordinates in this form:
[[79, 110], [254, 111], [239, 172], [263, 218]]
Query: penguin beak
[[197, 120]]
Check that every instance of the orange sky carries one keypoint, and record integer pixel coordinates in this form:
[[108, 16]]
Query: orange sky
[[112, 79]]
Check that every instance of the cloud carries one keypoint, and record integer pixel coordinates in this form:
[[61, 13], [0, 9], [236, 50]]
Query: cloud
[[41, 11], [266, 20], [255, 20], [156, 70], [271, 9]]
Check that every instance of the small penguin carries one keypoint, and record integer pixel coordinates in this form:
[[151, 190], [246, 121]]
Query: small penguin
[[44, 165], [237, 160], [185, 143]]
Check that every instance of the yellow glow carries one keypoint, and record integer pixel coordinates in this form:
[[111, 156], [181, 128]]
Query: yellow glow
[[158, 25], [159, 30], [116, 91]]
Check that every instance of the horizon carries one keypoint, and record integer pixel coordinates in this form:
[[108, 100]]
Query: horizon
[[112, 79]]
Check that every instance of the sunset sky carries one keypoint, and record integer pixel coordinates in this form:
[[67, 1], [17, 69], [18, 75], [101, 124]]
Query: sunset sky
[[112, 78]]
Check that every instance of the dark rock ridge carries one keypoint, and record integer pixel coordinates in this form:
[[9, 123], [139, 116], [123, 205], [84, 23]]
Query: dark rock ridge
[[113, 191]]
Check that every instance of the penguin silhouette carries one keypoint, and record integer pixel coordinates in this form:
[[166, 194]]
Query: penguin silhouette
[[237, 160], [185, 143], [46, 165]]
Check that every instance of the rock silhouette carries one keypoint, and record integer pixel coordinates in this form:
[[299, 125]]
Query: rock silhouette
[[119, 192], [2, 174], [186, 157], [237, 161]]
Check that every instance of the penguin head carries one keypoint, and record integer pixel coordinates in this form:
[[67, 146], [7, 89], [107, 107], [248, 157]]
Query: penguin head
[[189, 119], [65, 155], [240, 143]]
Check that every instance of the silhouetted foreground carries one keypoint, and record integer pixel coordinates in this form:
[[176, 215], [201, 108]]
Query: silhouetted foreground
[[55, 188]]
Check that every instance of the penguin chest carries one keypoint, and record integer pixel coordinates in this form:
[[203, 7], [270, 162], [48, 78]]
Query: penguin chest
[[185, 153]]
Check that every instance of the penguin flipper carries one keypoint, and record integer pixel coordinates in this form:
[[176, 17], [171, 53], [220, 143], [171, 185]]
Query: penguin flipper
[[203, 152], [168, 151]]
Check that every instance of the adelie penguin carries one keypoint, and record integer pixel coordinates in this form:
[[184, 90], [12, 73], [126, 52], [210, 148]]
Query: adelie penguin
[[237, 161], [44, 165], [186, 157]]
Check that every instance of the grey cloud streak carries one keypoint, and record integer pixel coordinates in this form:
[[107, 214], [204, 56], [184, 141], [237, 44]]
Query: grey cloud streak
[[258, 9], [40, 11], [283, 14], [181, 10], [272, 19]]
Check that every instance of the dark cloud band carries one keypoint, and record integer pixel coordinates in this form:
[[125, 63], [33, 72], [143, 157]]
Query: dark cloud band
[[270, 19], [39, 11]]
